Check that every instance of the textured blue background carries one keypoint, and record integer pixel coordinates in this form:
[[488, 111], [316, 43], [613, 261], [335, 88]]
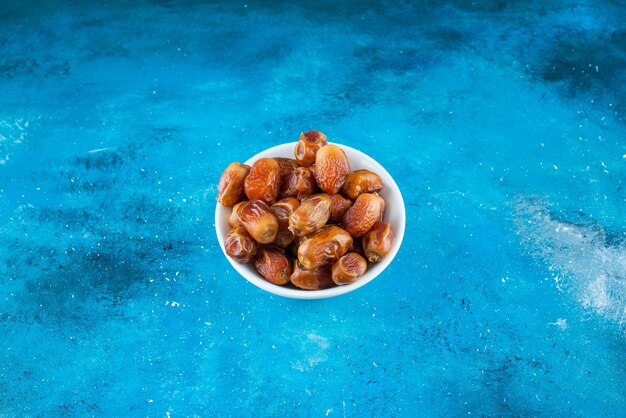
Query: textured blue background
[[502, 123]]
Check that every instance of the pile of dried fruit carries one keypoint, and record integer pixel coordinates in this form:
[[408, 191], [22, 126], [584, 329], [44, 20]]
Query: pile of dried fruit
[[309, 221]]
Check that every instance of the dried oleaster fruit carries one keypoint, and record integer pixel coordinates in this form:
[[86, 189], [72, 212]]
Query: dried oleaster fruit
[[286, 165], [311, 215], [239, 245], [283, 210], [362, 215], [383, 205], [348, 268], [308, 145], [272, 263], [361, 181], [233, 220], [230, 188], [300, 183], [258, 220], [323, 247], [378, 241], [284, 238], [263, 181], [332, 166], [314, 279], [339, 205]]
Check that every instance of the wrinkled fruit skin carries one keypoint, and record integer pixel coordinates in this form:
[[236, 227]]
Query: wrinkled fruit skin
[[300, 183], [332, 167], [230, 188], [383, 206], [286, 165], [378, 242], [258, 220], [239, 245], [348, 269], [307, 147], [273, 265], [311, 216], [361, 181], [283, 210], [263, 181], [316, 279], [324, 247], [339, 205], [233, 220], [362, 215]]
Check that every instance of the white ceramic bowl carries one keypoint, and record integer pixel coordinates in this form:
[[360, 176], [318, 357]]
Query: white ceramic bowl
[[394, 214]]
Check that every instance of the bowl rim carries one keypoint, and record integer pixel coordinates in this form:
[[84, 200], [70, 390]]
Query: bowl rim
[[261, 283]]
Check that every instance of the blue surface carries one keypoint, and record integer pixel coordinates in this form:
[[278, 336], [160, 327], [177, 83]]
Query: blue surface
[[502, 123]]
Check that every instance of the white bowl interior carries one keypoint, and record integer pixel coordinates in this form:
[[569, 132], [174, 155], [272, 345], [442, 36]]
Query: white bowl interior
[[394, 214]]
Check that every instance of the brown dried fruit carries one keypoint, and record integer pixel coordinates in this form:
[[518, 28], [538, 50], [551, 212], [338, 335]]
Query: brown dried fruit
[[383, 206], [287, 165], [272, 263], [233, 220], [339, 205], [323, 247], [361, 181], [348, 268], [332, 166], [362, 215], [230, 188], [263, 181], [239, 245], [315, 279], [256, 217], [378, 242], [300, 183], [284, 237], [311, 215], [282, 210], [308, 145]]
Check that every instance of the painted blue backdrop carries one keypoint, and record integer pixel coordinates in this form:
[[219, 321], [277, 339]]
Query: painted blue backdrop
[[502, 123]]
